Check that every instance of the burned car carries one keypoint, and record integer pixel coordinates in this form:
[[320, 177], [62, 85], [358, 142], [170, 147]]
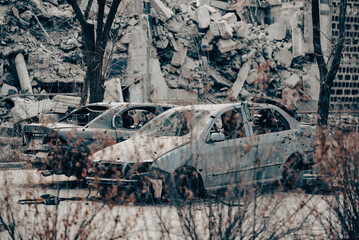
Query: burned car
[[201, 148], [63, 147]]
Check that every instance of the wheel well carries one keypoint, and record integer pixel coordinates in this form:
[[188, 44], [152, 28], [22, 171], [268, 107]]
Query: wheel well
[[184, 169], [296, 160]]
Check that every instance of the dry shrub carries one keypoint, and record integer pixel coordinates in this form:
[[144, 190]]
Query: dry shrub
[[338, 162]]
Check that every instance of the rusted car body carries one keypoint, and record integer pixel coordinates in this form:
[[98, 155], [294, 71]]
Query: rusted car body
[[206, 148], [63, 147]]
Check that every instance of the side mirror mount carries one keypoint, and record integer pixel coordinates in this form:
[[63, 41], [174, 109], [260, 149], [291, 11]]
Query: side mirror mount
[[116, 121], [217, 137]]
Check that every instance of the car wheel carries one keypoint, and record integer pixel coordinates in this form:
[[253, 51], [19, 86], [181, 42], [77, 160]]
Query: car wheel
[[189, 184], [291, 177]]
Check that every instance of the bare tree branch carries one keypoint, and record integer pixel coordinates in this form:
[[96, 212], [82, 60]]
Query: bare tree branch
[[339, 46], [100, 15], [316, 39], [109, 21], [88, 9], [77, 10]]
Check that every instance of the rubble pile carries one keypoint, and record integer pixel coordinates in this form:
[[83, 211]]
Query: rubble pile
[[215, 52], [40, 54], [41, 32], [211, 49]]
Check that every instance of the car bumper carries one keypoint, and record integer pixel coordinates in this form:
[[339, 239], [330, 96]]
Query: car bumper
[[38, 158], [127, 184], [94, 181]]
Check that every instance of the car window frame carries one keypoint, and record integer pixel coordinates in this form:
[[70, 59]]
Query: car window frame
[[120, 112], [272, 110], [219, 114]]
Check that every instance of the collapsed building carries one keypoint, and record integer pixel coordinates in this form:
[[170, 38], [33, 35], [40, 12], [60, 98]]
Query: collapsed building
[[174, 51]]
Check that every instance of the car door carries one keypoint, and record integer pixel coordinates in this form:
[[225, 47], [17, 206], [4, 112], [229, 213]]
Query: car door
[[275, 140], [225, 160]]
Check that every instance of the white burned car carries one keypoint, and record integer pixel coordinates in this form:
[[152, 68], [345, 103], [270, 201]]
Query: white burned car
[[200, 148]]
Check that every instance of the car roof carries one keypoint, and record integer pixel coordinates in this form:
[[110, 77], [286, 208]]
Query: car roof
[[217, 107], [128, 104]]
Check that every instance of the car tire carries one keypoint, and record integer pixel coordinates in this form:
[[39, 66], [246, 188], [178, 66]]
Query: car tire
[[291, 178], [189, 184]]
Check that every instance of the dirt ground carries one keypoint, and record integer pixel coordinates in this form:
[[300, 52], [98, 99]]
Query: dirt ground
[[283, 215]]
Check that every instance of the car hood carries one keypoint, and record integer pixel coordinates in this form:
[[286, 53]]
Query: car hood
[[47, 128], [139, 149]]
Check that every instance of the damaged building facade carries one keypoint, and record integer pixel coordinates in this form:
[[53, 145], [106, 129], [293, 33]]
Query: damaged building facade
[[181, 51]]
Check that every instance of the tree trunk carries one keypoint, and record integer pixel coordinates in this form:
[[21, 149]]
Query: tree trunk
[[323, 104], [94, 48], [327, 73], [96, 78], [88, 33]]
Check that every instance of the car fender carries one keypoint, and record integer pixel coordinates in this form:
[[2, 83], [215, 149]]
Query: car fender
[[174, 158]]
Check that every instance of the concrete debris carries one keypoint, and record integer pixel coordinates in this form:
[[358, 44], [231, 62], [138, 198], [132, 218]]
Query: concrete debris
[[299, 48], [292, 81], [225, 30], [68, 101], [113, 91], [7, 90], [218, 79], [284, 57], [230, 17], [277, 31], [26, 108], [162, 12], [241, 77], [226, 45], [203, 17], [22, 73], [179, 56]]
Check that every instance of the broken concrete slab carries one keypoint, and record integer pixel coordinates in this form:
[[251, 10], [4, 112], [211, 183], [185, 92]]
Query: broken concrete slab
[[211, 10], [159, 88], [284, 57], [203, 17], [179, 56], [126, 39], [163, 12], [241, 77], [175, 26], [7, 90], [297, 35], [225, 30], [218, 79], [217, 16], [230, 17], [277, 31], [212, 32], [292, 81], [162, 43], [226, 45], [242, 32], [69, 101], [252, 77], [219, 4], [308, 32], [176, 82], [113, 90], [26, 108]]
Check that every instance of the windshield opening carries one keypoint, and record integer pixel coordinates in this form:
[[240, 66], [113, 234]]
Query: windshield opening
[[176, 123], [81, 116]]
